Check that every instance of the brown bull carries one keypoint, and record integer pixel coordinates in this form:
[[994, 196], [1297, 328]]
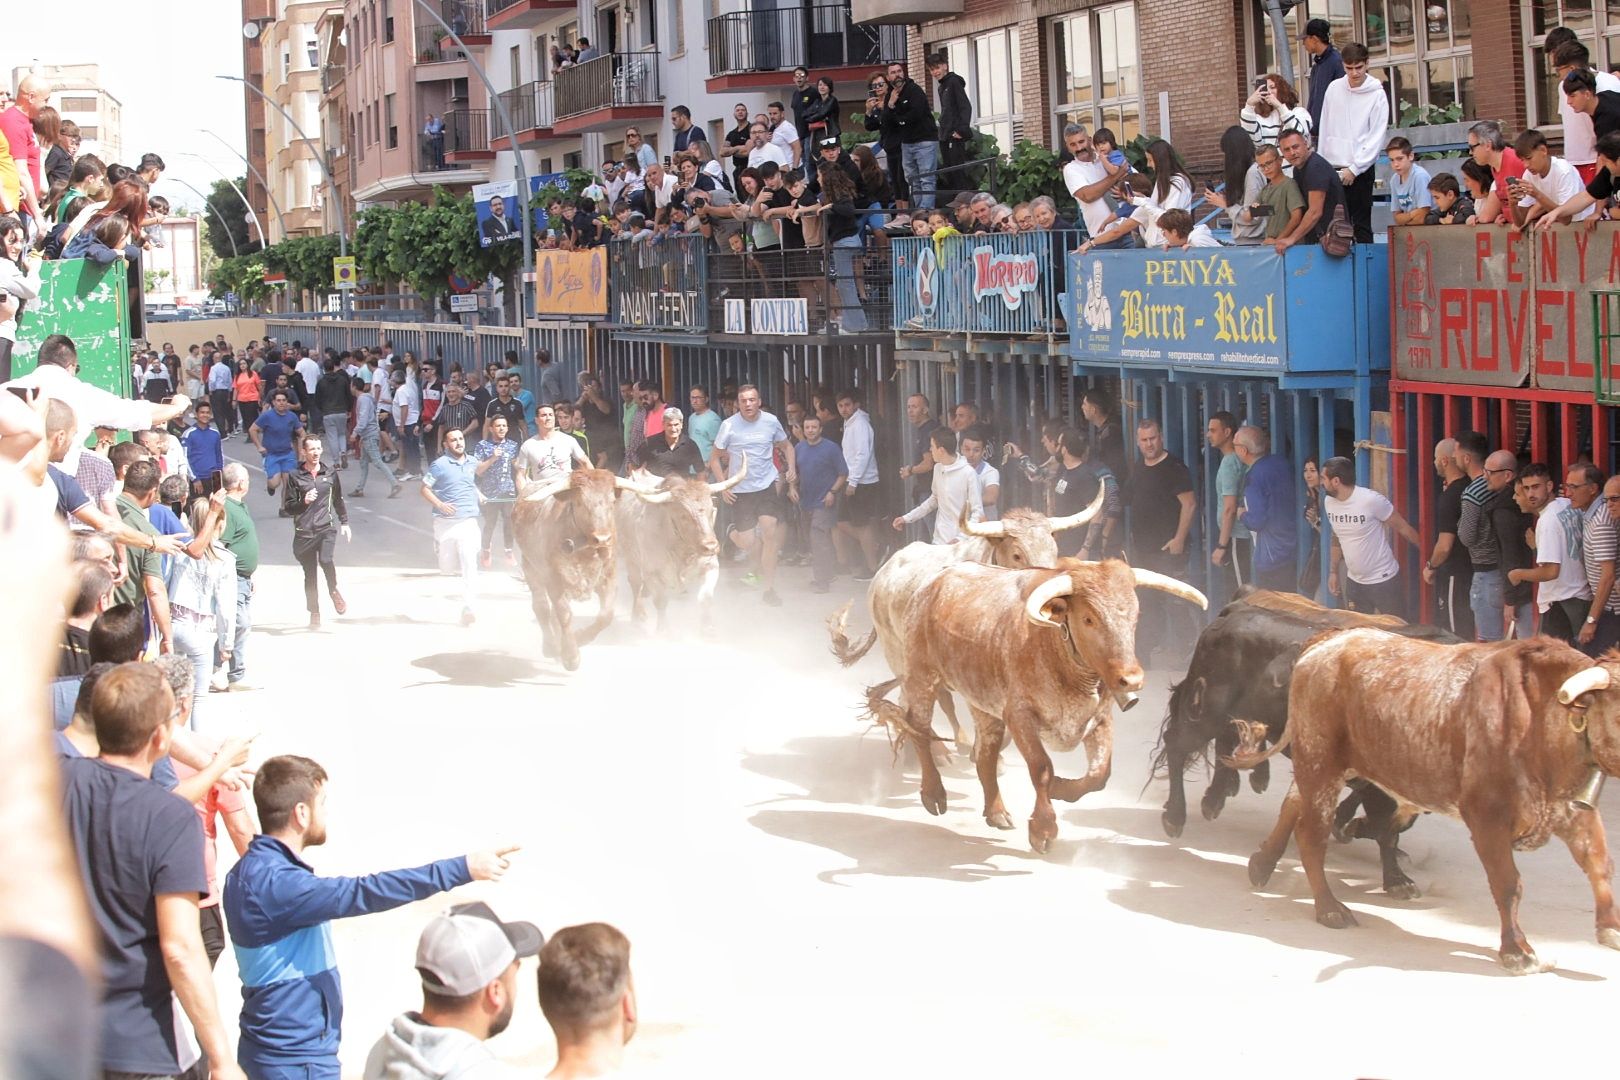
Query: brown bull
[[667, 537], [565, 534], [1038, 653], [1507, 737]]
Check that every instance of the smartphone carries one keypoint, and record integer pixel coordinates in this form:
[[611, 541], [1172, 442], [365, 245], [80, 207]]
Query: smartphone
[[1261, 210]]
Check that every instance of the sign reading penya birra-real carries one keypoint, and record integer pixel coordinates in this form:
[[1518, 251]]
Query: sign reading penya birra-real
[[1208, 307]]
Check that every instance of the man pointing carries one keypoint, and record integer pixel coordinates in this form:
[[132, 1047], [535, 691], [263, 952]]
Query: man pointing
[[279, 914]]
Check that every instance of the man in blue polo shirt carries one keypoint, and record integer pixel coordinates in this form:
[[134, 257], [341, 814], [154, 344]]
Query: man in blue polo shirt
[[204, 453], [451, 486], [273, 434], [279, 915]]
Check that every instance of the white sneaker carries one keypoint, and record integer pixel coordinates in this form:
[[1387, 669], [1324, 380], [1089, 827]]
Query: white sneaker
[[220, 681]]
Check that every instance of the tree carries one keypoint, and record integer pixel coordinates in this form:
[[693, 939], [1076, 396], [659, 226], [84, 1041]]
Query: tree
[[229, 206]]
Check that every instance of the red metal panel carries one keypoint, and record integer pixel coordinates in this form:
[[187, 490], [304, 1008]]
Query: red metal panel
[[1466, 305], [1425, 482], [1568, 445]]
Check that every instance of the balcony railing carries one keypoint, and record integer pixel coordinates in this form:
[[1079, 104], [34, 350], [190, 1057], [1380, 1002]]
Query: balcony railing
[[531, 106], [659, 286], [615, 79], [781, 39], [466, 17], [990, 283], [331, 75], [466, 130], [792, 291], [434, 46]]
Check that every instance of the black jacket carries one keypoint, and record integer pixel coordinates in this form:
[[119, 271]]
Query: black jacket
[[332, 392], [955, 110], [1509, 523], [325, 512], [821, 110], [882, 120], [800, 103], [913, 116]]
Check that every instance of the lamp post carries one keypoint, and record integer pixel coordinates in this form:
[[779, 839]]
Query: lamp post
[[235, 253], [254, 218], [320, 159], [519, 172], [269, 192]]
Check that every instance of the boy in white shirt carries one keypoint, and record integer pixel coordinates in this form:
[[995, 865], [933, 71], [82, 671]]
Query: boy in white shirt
[[1178, 232], [1548, 182], [954, 486]]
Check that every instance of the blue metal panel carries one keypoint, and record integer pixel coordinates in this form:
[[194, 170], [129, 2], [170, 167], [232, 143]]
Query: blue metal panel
[[991, 283]]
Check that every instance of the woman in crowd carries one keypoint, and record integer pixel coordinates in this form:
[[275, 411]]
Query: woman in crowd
[[1023, 218], [707, 164], [878, 119], [1311, 576], [56, 162], [1172, 187], [127, 200], [1243, 181], [247, 390], [1273, 110], [1478, 179], [202, 600], [844, 237], [821, 115]]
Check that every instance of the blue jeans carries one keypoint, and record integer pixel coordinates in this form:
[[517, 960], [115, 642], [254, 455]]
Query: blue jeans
[[195, 641], [316, 1070], [851, 316], [244, 623], [1485, 598], [370, 451], [920, 160]]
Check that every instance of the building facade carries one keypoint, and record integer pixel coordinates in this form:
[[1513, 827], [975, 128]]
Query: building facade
[[174, 266], [78, 95]]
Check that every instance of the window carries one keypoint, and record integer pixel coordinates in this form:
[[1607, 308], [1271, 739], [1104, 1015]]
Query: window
[[1426, 60], [1597, 24], [542, 59], [78, 104], [514, 60], [88, 131], [388, 22], [1098, 72], [286, 64], [313, 48], [574, 159], [388, 121], [988, 63]]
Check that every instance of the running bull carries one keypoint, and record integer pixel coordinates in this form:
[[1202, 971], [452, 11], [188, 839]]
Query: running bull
[[1041, 654], [565, 533], [1021, 539], [1513, 738], [667, 537]]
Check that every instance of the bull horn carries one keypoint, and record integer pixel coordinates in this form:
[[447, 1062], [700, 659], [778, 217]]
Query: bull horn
[[1147, 579], [1053, 587], [732, 481], [1583, 682], [652, 495], [1074, 520], [546, 491], [989, 530]]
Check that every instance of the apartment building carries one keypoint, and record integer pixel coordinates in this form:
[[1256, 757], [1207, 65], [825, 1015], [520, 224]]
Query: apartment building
[[292, 56], [78, 95]]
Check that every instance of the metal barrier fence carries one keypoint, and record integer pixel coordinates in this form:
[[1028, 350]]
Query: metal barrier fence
[[989, 283], [840, 288], [660, 285]]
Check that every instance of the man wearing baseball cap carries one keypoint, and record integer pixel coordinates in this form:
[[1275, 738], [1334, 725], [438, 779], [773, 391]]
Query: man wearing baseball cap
[[468, 960]]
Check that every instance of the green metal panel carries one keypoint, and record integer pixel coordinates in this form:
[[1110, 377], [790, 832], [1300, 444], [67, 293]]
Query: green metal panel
[[90, 304]]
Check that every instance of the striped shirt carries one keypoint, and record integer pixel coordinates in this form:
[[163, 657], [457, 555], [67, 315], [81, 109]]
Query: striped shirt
[[1474, 527], [1599, 545]]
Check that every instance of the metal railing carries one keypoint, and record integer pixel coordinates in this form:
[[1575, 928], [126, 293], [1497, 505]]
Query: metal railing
[[434, 46], [986, 283], [800, 291], [431, 149], [614, 79], [819, 36], [331, 76], [466, 17], [659, 286], [466, 130], [532, 106], [495, 7]]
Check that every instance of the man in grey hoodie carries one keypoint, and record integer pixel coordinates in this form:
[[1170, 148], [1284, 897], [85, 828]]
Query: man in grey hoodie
[[468, 959]]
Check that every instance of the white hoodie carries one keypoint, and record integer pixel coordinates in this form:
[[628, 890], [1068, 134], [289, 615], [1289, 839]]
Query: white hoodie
[[412, 1050], [1353, 124], [954, 486]]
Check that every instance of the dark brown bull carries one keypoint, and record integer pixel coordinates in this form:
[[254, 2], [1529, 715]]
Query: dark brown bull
[[1042, 654], [565, 534], [667, 537], [1506, 736]]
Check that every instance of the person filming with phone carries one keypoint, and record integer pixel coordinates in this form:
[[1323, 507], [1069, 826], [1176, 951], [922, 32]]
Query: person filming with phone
[[1279, 203]]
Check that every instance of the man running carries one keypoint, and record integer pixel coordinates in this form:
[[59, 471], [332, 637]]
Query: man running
[[756, 503], [550, 455], [314, 499], [273, 434], [451, 487]]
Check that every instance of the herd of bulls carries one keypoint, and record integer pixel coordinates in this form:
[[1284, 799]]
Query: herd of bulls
[[1513, 738]]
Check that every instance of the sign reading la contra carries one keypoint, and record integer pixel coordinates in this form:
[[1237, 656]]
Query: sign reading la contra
[[1209, 308]]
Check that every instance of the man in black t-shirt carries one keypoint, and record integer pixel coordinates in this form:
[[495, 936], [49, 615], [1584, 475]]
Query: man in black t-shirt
[[1320, 184], [738, 141], [1605, 183], [504, 404], [1448, 567], [1163, 505], [1603, 106]]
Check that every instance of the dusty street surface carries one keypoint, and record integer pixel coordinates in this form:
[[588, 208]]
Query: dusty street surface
[[792, 908]]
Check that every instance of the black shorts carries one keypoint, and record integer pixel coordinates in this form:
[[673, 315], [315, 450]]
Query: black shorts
[[213, 932], [753, 505], [859, 506]]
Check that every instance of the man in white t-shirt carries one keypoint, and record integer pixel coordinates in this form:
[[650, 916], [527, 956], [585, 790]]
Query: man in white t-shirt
[[1562, 594], [761, 149], [548, 455], [1548, 182], [784, 134], [1361, 519], [974, 440], [1580, 140], [407, 410], [1088, 177], [310, 372], [756, 505]]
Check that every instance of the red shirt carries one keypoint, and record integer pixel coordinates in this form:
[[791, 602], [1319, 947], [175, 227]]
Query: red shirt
[[19, 133], [655, 421], [1511, 167], [219, 801]]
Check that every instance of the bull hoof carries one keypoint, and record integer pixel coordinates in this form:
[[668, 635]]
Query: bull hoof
[[1338, 918], [934, 801], [1405, 889], [1000, 819], [571, 663], [1609, 937], [1260, 778], [1228, 782], [1213, 803], [1525, 963], [1260, 869], [1173, 823], [1040, 839]]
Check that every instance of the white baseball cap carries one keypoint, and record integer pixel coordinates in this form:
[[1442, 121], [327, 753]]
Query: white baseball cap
[[467, 948]]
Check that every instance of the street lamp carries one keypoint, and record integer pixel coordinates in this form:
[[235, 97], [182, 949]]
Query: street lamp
[[520, 172], [269, 192], [247, 205], [320, 159], [222, 222]]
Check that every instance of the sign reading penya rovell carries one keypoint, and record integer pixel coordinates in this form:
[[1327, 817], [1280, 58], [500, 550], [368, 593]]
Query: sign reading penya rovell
[[1209, 307], [1481, 305], [781, 317]]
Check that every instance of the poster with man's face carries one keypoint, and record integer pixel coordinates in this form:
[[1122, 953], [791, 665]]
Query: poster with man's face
[[499, 212]]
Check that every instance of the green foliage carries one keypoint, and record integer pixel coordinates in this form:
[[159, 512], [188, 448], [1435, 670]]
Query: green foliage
[[1414, 115], [227, 204], [243, 276], [423, 244], [153, 279], [855, 133], [1030, 170], [306, 260]]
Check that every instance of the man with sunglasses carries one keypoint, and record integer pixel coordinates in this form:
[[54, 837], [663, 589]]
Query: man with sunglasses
[[1492, 528], [1562, 594]]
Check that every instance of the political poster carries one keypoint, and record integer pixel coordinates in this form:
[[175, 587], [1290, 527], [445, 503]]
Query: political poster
[[498, 212]]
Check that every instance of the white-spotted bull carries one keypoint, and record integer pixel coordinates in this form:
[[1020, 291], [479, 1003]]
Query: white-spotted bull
[[667, 536], [1510, 737], [1020, 540], [1042, 654], [565, 533]]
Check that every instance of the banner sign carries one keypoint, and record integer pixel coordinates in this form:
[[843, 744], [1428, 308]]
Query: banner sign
[[1484, 306], [1208, 308], [996, 283], [773, 317], [343, 271], [498, 212], [571, 282], [1007, 277], [659, 286]]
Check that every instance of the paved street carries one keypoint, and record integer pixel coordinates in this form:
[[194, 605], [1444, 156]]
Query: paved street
[[793, 909]]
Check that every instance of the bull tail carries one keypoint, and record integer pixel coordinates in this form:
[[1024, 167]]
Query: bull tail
[[891, 717], [1250, 735], [846, 651], [1184, 700]]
